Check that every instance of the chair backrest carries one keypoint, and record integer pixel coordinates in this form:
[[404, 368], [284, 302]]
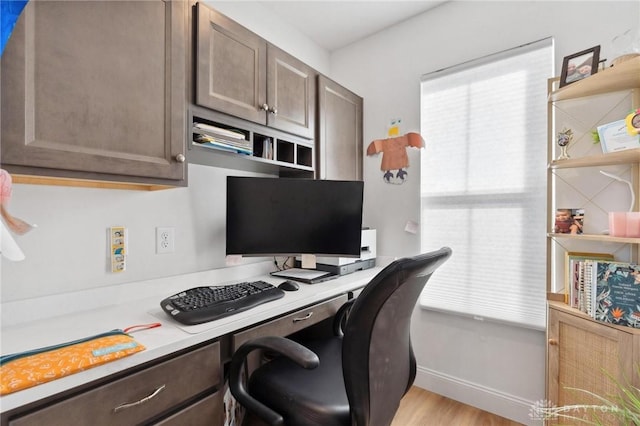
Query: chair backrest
[[377, 358]]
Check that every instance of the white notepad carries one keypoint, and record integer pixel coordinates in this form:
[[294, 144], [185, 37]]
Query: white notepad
[[304, 275]]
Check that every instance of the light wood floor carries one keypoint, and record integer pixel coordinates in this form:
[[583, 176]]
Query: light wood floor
[[423, 408]]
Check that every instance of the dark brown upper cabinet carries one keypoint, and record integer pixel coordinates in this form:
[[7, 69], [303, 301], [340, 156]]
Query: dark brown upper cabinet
[[97, 90], [240, 74], [339, 141]]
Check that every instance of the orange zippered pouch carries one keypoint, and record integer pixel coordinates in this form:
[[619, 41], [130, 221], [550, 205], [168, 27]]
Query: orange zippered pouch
[[30, 368]]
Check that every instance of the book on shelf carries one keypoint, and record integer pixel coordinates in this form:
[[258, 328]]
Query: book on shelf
[[614, 292], [230, 133], [574, 276], [267, 149], [240, 147]]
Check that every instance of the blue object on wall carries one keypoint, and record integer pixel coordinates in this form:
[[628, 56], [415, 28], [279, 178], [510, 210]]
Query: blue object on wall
[[9, 13]]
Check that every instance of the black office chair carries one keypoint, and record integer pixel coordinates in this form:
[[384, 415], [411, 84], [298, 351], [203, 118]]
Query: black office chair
[[355, 378]]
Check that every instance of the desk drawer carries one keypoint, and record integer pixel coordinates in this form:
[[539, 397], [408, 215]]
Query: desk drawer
[[292, 323], [209, 411], [137, 397]]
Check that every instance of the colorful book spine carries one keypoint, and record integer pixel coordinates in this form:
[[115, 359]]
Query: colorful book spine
[[574, 276], [617, 293]]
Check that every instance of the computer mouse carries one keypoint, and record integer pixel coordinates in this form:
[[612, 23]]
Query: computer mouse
[[289, 285]]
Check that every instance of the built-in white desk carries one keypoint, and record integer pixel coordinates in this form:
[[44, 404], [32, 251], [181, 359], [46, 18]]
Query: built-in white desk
[[52, 320]]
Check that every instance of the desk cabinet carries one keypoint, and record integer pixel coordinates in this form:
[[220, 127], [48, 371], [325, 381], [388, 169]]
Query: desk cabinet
[[287, 325], [185, 389], [96, 90], [209, 411], [582, 353], [291, 323], [167, 387]]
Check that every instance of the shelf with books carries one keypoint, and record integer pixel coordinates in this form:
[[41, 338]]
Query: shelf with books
[[606, 290], [574, 169], [225, 141]]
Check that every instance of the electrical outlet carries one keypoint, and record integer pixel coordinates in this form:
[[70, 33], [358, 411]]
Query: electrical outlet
[[165, 240]]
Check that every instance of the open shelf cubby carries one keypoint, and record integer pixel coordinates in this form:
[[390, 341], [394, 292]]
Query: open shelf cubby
[[220, 140]]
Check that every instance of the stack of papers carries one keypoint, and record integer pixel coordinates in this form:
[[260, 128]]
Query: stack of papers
[[220, 138], [304, 275]]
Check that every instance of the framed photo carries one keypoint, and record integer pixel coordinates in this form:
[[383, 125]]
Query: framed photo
[[569, 221], [580, 65]]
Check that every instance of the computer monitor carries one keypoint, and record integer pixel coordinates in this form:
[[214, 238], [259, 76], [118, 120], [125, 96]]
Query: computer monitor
[[290, 217]]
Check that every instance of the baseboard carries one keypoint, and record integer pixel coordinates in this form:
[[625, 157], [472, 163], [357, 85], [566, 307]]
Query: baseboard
[[486, 399]]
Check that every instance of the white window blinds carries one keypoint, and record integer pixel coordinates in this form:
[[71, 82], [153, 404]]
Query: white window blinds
[[483, 184]]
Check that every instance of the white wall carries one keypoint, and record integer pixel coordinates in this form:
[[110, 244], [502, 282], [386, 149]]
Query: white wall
[[494, 366], [68, 251], [262, 21]]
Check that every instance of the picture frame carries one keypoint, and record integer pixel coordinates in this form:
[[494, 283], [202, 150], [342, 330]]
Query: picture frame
[[580, 65], [569, 221]]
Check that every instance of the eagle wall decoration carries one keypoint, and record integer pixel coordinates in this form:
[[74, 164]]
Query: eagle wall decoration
[[394, 155]]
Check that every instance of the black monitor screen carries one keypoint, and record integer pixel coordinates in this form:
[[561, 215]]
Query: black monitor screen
[[285, 216]]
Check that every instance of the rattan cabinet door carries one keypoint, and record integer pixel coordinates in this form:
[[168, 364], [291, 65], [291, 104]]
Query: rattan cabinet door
[[581, 354]]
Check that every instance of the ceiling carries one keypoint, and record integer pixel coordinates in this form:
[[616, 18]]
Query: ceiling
[[335, 24]]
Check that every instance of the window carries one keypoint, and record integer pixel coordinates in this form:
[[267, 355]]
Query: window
[[483, 184]]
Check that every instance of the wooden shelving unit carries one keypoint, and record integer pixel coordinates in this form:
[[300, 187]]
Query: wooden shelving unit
[[571, 333], [629, 156], [623, 76], [595, 237]]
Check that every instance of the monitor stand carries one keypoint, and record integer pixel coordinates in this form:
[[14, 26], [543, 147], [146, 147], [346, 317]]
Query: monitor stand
[[357, 265]]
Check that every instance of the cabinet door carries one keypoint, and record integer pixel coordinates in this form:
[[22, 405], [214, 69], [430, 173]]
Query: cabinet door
[[339, 132], [291, 94], [96, 87], [231, 67], [580, 354]]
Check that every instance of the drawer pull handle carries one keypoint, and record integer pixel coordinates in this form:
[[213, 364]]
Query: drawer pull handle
[[553, 342], [142, 401], [304, 318]]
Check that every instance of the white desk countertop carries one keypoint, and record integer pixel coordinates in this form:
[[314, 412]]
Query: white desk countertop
[[37, 323]]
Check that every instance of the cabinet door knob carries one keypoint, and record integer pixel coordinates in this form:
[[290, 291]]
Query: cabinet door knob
[[553, 342], [273, 110], [265, 107], [180, 158]]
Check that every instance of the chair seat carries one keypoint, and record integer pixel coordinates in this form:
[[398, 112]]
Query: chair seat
[[305, 397]]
